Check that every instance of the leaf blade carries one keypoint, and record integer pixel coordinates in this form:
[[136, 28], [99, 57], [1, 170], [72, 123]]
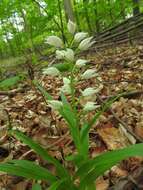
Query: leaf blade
[[41, 151]]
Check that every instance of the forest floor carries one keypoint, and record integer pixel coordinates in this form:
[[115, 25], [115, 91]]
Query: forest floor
[[121, 70]]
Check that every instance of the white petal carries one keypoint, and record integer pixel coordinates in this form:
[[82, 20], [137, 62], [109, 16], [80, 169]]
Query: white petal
[[55, 104], [81, 62], [80, 36], [60, 54], [54, 41], [52, 71], [66, 81], [90, 73], [66, 89], [90, 106], [85, 44], [88, 91], [69, 55], [71, 27]]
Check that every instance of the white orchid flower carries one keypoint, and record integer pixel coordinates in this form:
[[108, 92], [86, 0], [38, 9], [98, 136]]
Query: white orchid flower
[[71, 27], [86, 44], [66, 81], [69, 55], [66, 88], [52, 71], [90, 106], [55, 104], [81, 63], [60, 54], [54, 41], [88, 91], [80, 36], [90, 73]]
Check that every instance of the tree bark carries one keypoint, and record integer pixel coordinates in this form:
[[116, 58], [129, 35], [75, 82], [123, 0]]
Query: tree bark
[[61, 20], [110, 12], [76, 15], [69, 10]]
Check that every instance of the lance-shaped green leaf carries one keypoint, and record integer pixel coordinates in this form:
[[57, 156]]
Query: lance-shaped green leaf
[[90, 170], [35, 168], [36, 186], [28, 170], [41, 151], [70, 116]]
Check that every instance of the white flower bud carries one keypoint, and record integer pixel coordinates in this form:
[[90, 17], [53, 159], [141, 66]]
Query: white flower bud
[[60, 54], [80, 36], [66, 87], [89, 91], [52, 71], [81, 63], [55, 104], [69, 55], [66, 81], [86, 44], [54, 41], [71, 27], [90, 73], [90, 106]]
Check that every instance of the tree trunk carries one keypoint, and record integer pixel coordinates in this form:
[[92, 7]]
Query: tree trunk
[[68, 10], [11, 48], [96, 16], [61, 21], [85, 5], [76, 15], [110, 12], [136, 7]]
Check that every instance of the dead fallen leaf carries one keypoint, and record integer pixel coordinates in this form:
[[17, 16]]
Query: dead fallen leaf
[[112, 137]]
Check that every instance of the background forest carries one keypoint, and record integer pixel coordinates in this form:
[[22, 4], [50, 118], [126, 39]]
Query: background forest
[[25, 24], [71, 94]]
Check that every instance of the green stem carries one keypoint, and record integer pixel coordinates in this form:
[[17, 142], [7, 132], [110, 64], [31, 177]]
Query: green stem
[[73, 90]]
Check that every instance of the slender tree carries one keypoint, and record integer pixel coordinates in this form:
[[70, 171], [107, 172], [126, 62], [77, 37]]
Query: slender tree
[[85, 6], [61, 20], [69, 10], [97, 22], [76, 15], [122, 8], [136, 7]]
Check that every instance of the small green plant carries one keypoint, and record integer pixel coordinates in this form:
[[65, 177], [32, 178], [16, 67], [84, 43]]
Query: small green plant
[[11, 82], [87, 170]]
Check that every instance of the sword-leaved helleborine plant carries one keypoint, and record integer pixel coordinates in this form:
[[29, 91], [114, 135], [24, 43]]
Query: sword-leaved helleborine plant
[[74, 109]]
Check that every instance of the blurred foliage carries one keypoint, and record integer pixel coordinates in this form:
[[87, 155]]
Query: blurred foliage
[[25, 24]]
